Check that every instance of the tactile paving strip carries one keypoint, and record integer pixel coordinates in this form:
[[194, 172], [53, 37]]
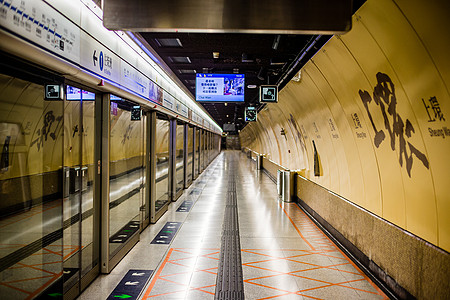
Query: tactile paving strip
[[230, 283]]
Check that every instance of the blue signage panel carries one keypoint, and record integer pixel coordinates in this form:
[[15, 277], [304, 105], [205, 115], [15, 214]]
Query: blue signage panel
[[220, 87], [167, 233], [131, 285]]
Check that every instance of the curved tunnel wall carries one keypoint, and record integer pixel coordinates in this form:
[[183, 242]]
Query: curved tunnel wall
[[374, 105]]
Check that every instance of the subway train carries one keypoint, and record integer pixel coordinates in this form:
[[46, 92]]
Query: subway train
[[96, 141]]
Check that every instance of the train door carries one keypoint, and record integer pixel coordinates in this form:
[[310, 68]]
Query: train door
[[80, 202]]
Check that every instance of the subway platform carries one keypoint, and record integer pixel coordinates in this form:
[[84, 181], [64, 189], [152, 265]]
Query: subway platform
[[229, 236]]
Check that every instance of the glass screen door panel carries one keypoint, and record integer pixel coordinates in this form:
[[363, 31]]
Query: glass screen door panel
[[162, 163], [72, 201], [145, 206], [200, 151], [208, 144], [31, 193], [126, 174], [89, 203], [203, 150], [190, 154], [81, 237], [179, 158], [196, 152]]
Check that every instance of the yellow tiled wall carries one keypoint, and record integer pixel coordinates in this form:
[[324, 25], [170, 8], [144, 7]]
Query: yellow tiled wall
[[376, 103]]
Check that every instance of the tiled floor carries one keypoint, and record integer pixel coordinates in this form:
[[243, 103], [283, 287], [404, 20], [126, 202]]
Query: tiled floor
[[284, 255]]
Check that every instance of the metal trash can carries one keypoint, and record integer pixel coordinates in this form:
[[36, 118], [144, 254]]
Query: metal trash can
[[280, 182], [259, 160], [84, 178], [74, 185], [287, 193], [66, 182]]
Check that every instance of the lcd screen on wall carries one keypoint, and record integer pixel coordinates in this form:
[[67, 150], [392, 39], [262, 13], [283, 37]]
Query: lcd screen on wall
[[220, 87]]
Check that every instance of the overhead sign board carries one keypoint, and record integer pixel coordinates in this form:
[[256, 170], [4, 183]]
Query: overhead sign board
[[219, 87], [276, 17], [268, 93]]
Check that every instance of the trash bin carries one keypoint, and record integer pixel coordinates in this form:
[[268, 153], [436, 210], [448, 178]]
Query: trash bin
[[288, 186], [84, 178], [66, 181], [280, 182], [74, 180], [259, 160]]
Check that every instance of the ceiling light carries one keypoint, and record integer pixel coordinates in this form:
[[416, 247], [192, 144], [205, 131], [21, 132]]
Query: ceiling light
[[235, 70], [187, 71], [277, 62], [276, 41], [169, 42], [180, 59], [216, 54], [252, 86]]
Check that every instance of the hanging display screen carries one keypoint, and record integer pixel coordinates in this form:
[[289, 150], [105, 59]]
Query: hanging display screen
[[220, 87]]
